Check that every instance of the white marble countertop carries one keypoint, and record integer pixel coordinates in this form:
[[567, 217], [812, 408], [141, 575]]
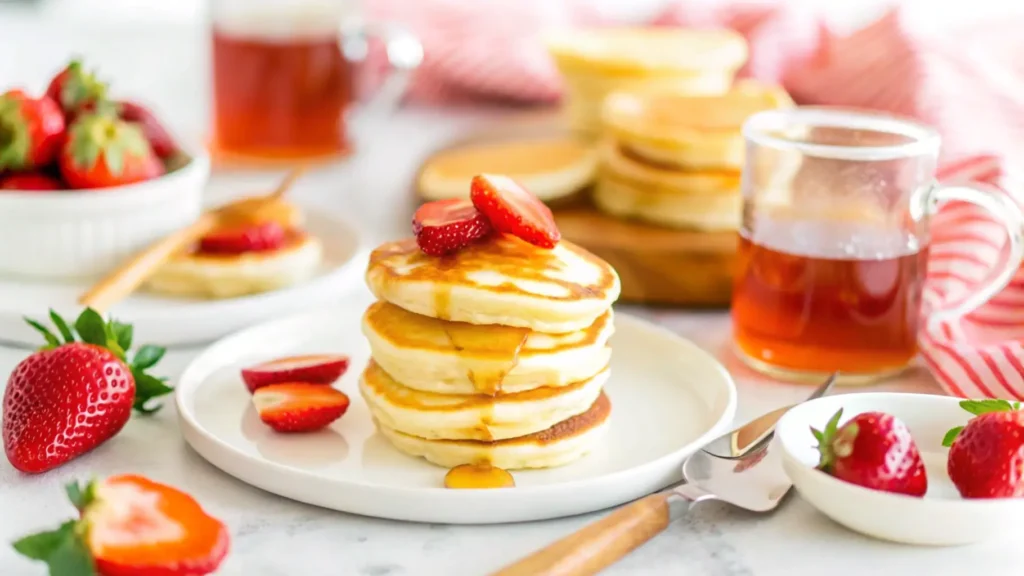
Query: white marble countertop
[[272, 536]]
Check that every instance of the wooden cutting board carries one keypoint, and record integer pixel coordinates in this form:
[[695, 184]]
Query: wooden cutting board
[[656, 265]]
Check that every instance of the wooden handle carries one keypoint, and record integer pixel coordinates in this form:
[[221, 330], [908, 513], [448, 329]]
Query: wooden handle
[[130, 275], [597, 545]]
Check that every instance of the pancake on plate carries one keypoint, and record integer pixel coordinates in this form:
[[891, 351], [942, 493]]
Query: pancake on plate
[[433, 416], [558, 445], [444, 357], [553, 169], [502, 280]]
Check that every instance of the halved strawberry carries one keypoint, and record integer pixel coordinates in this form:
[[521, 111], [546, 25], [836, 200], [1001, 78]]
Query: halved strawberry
[[131, 526], [260, 237], [445, 226], [512, 210], [299, 406], [312, 369]]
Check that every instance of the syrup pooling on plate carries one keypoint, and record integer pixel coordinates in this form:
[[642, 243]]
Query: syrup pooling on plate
[[478, 476]]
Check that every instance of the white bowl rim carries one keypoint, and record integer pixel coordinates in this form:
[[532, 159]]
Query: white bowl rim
[[791, 419], [199, 163]]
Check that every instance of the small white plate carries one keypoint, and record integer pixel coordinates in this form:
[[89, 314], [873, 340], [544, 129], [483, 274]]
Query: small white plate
[[668, 398], [170, 321], [941, 518]]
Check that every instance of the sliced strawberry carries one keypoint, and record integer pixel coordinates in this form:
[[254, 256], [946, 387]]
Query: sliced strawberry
[[512, 210], [262, 237], [445, 226], [131, 526], [313, 369], [298, 406]]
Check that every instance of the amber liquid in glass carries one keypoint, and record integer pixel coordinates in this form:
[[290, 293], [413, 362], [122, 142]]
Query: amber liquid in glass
[[825, 296], [280, 97]]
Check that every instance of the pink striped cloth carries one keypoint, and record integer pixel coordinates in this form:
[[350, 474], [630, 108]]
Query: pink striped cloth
[[968, 83]]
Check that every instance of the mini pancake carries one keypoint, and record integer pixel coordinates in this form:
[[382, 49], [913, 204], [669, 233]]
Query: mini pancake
[[444, 357], [560, 444], [645, 175], [500, 280], [685, 130], [551, 169], [473, 416], [194, 274], [666, 208]]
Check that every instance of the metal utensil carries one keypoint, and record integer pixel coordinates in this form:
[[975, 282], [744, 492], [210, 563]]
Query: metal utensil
[[739, 468]]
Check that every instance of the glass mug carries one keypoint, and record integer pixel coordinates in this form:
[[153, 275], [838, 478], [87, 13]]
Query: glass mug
[[834, 242], [284, 76]]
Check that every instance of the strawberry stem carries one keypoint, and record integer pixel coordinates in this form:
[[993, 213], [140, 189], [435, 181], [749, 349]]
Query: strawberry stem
[[827, 441], [63, 550]]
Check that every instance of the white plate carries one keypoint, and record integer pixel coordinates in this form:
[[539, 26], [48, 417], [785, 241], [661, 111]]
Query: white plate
[[942, 517], [170, 321], [668, 398]]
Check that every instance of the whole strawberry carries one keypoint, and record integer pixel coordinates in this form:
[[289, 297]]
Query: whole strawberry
[[73, 88], [129, 525], [986, 457], [161, 141], [74, 394], [873, 450], [103, 150], [31, 131]]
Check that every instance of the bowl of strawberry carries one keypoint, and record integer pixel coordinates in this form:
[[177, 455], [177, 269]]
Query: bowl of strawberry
[[87, 179], [910, 468]]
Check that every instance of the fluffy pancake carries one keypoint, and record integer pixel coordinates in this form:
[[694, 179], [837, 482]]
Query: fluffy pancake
[[646, 176], [679, 128], [227, 276], [501, 280], [473, 416], [458, 358], [667, 208], [550, 168], [560, 444], [643, 51]]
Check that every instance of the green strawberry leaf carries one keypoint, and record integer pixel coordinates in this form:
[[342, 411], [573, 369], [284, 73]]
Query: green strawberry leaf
[[79, 496], [91, 327], [62, 327], [978, 407], [147, 356], [148, 388], [62, 549], [826, 439], [950, 436], [51, 340], [122, 334]]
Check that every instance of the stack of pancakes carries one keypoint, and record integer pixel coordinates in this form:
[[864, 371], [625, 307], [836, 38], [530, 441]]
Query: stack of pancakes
[[597, 62], [673, 158], [495, 354]]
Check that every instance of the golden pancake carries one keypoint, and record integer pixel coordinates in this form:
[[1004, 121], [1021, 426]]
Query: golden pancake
[[646, 176], [560, 444], [623, 199], [195, 274], [434, 355], [549, 168], [681, 129], [501, 280], [473, 416]]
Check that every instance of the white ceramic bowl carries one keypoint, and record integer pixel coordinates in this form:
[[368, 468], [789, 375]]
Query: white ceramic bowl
[[941, 518], [81, 234]]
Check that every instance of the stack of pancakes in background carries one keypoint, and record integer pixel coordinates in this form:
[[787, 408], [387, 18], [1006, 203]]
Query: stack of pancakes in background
[[496, 354], [595, 63], [674, 158]]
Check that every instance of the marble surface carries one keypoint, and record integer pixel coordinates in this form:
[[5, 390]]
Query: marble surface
[[272, 536]]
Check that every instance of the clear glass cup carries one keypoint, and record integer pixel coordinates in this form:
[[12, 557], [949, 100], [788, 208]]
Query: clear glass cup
[[284, 77], [834, 242]]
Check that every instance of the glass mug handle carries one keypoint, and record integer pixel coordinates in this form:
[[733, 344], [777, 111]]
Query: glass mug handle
[[1006, 211], [404, 55]]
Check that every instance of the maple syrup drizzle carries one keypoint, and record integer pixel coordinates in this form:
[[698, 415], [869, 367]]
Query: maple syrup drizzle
[[478, 476]]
